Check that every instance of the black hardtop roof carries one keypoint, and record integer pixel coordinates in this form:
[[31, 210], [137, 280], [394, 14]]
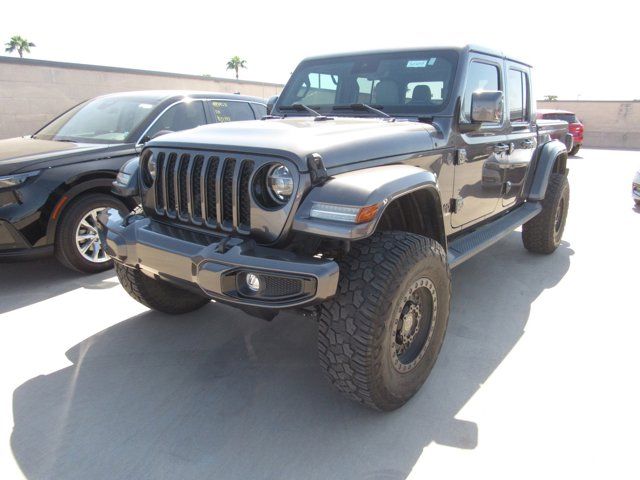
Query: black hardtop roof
[[463, 49]]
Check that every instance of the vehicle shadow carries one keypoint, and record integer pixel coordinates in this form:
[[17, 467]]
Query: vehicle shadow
[[218, 394], [28, 282]]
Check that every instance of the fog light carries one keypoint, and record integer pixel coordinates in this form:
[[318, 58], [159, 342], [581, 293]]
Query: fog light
[[253, 282]]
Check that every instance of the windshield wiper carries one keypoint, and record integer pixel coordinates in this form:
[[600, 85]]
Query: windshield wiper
[[362, 106], [318, 117], [300, 108]]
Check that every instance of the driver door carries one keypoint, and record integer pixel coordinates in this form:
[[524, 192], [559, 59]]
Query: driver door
[[484, 152]]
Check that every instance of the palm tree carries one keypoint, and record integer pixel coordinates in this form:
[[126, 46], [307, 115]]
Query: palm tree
[[20, 44], [235, 64]]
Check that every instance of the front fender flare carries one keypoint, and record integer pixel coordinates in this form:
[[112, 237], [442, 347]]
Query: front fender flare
[[361, 188]]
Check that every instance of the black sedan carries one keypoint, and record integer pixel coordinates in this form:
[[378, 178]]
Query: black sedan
[[54, 183]]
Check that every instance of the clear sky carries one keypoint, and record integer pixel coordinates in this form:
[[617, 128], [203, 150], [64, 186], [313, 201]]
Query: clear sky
[[579, 49]]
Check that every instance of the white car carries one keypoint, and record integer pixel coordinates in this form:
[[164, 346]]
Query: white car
[[635, 188]]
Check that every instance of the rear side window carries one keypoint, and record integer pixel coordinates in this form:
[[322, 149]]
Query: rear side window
[[481, 76], [231, 111], [182, 116], [518, 96]]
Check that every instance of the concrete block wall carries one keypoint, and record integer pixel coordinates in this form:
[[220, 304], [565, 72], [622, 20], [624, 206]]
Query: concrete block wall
[[607, 124], [32, 92]]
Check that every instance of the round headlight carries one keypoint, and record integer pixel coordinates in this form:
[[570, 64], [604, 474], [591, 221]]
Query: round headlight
[[280, 183], [148, 169], [151, 168]]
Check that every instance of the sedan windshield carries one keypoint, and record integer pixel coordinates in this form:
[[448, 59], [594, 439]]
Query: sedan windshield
[[102, 120], [412, 83]]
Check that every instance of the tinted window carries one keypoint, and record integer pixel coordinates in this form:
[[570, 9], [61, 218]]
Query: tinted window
[[481, 76], [231, 111], [181, 116], [102, 120], [397, 83], [518, 96]]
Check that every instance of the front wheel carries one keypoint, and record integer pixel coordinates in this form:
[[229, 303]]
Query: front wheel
[[158, 294], [379, 337]]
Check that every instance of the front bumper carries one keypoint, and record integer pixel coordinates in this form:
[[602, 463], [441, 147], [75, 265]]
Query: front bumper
[[14, 247], [218, 266]]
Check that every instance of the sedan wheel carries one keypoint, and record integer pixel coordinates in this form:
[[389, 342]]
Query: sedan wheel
[[78, 245], [88, 240]]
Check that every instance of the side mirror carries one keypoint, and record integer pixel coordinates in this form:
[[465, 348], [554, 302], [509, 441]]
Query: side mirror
[[270, 103], [487, 107]]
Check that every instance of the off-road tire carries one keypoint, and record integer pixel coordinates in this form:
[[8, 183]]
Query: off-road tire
[[355, 331], [543, 233], [158, 294], [574, 150], [66, 250]]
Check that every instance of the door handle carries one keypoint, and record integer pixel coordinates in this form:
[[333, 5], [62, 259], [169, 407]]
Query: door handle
[[500, 148], [528, 143]]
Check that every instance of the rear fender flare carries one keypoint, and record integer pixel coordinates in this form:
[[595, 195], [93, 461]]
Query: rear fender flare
[[546, 158]]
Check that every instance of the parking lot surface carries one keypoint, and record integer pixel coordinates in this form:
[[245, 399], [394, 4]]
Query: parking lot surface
[[538, 376]]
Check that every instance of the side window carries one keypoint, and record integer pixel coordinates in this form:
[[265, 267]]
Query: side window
[[480, 76], [182, 116], [518, 96], [258, 110], [231, 111]]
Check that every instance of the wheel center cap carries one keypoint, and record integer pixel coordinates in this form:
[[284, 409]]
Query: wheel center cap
[[407, 324]]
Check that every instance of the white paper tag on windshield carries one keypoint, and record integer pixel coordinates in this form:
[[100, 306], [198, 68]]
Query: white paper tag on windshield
[[417, 63]]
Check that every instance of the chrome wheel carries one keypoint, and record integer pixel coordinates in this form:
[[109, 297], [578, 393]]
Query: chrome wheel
[[87, 239], [413, 325]]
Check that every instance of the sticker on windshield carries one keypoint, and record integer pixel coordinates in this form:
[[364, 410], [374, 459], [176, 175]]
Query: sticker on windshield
[[417, 63]]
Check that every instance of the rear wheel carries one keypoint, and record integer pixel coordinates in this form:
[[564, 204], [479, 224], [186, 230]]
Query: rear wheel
[[158, 294], [543, 233], [574, 150], [77, 243], [379, 337]]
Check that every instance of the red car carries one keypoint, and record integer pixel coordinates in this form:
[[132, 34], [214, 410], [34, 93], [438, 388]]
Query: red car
[[576, 128]]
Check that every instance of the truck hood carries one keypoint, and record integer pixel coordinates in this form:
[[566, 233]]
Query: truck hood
[[340, 141], [26, 153]]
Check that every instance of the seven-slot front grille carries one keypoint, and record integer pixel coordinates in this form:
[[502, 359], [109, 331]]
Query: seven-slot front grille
[[204, 189]]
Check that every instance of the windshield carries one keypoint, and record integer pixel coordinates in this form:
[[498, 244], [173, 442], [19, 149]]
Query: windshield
[[398, 83], [102, 120]]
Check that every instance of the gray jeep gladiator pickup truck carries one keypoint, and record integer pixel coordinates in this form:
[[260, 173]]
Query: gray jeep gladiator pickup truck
[[374, 174]]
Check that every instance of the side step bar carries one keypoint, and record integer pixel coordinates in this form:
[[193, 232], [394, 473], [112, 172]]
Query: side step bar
[[466, 246]]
